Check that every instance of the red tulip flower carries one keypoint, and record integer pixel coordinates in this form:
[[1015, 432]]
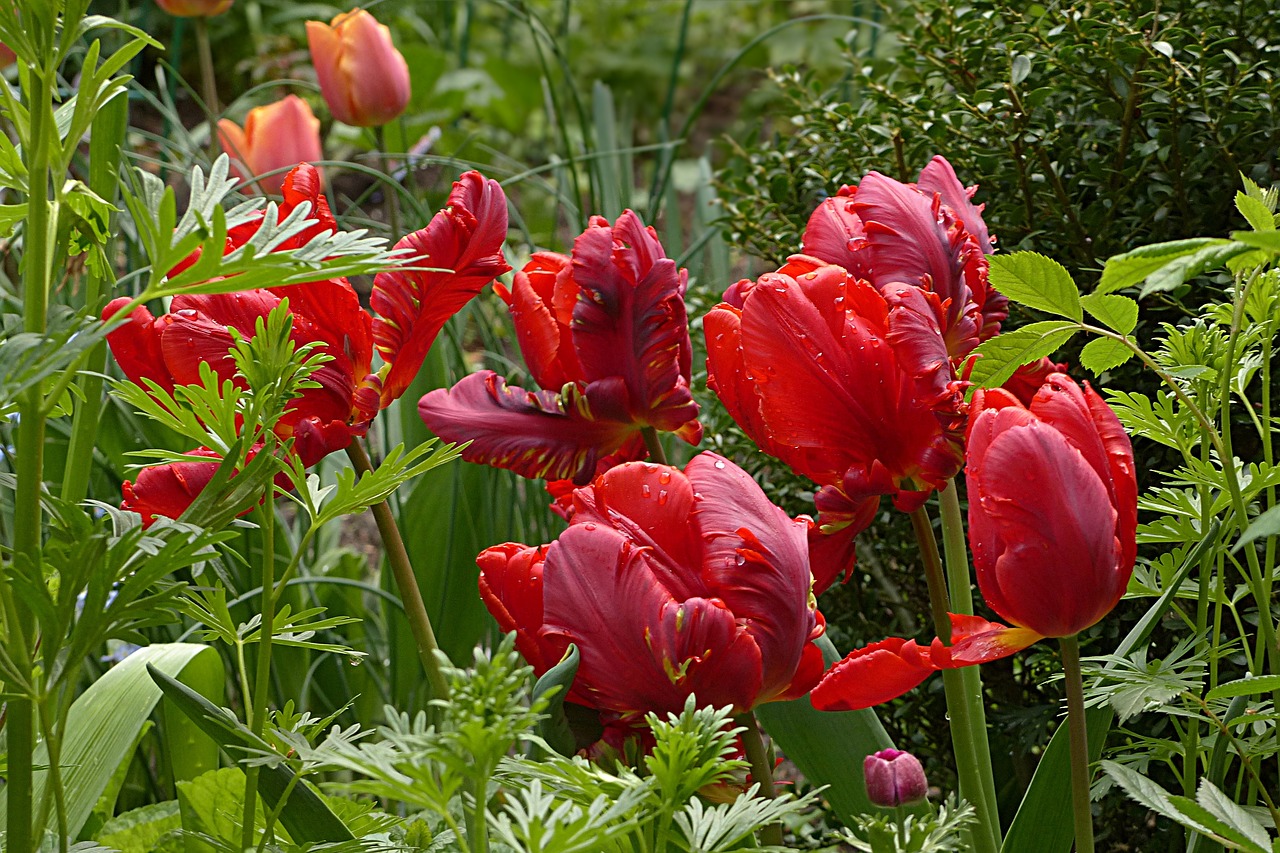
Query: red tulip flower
[[363, 78], [466, 238], [606, 337], [276, 136], [670, 583], [929, 235], [1053, 510], [849, 385]]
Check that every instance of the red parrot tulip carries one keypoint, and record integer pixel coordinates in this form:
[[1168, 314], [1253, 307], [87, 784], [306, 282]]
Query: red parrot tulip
[[1053, 510], [929, 235], [850, 386], [169, 350], [670, 583], [606, 337], [363, 78], [275, 136]]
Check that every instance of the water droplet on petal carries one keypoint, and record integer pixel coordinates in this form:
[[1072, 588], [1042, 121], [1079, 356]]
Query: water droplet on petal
[[644, 490], [720, 464]]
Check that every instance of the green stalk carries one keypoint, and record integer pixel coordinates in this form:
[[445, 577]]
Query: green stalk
[[959, 720], [209, 82], [407, 582], [953, 543], [761, 771], [654, 444], [393, 194], [1079, 744], [262, 676]]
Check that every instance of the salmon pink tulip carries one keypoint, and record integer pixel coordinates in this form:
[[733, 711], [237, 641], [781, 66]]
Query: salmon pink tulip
[[606, 337], [363, 78], [1053, 511], [671, 583], [275, 137]]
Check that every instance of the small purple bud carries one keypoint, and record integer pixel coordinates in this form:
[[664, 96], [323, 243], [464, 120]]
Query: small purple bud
[[894, 778]]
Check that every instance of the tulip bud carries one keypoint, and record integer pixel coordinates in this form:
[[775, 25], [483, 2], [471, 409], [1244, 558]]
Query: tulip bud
[[275, 137], [364, 79], [894, 778], [194, 8]]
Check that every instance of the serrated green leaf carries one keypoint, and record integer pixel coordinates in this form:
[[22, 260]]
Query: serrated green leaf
[[1190, 813], [1118, 313], [1102, 354], [140, 830], [1255, 213], [1177, 271], [999, 357], [1232, 814], [1038, 282], [1245, 687], [1130, 268], [1266, 240]]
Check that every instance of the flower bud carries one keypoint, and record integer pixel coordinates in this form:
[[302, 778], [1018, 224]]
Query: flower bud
[[363, 78], [275, 137], [894, 778], [194, 8]]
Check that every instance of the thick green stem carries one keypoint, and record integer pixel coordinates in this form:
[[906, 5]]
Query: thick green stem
[[1079, 744], [656, 451], [953, 544], [262, 676], [959, 718], [406, 581], [761, 771]]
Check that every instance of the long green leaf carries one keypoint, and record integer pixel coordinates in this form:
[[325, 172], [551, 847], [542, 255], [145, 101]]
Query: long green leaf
[[103, 725], [828, 746], [305, 816]]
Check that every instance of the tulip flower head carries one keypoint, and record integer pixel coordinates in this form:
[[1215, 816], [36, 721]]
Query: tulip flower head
[[671, 583], [606, 337], [1053, 509], [194, 8], [363, 78], [894, 778], [275, 137], [466, 238]]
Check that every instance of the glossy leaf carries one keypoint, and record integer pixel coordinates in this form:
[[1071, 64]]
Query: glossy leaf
[[1038, 282], [999, 357]]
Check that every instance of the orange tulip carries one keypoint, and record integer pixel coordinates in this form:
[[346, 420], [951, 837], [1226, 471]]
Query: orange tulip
[[362, 76], [194, 8], [277, 136]]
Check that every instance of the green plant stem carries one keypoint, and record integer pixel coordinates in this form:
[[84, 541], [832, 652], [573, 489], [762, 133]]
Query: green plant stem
[[656, 451], [1079, 744], [957, 555], [966, 753], [208, 81], [393, 196], [262, 676], [415, 608], [761, 771]]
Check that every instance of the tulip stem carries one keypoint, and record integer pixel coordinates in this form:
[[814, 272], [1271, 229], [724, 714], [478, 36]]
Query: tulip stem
[[407, 582], [257, 713], [953, 682], [1079, 743], [656, 452], [761, 771], [393, 191], [209, 82]]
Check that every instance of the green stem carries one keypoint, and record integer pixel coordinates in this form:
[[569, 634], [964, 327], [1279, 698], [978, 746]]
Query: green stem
[[1079, 744], [953, 543], [406, 581], [393, 194], [209, 83], [953, 683], [761, 771], [656, 451], [262, 676]]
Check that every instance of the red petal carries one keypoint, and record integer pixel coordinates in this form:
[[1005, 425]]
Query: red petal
[[546, 344], [727, 377], [169, 489], [465, 238], [511, 586], [938, 177], [1027, 379], [833, 539], [533, 434], [807, 676], [136, 344], [303, 183], [872, 675], [834, 233], [630, 320], [974, 640]]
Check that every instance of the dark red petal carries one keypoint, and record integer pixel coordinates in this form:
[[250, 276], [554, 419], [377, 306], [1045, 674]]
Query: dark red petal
[[630, 320], [833, 539], [807, 676], [136, 344], [1027, 379], [511, 587], [872, 675], [544, 343], [755, 559], [464, 238], [938, 177], [834, 233], [533, 434], [304, 183], [727, 376], [1123, 473], [169, 489]]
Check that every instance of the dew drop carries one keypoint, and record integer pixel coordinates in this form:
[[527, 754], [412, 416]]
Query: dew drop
[[662, 497], [644, 490], [741, 560], [589, 526], [720, 464], [664, 477]]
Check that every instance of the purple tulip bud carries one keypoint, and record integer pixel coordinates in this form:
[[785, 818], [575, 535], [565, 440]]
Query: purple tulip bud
[[894, 778]]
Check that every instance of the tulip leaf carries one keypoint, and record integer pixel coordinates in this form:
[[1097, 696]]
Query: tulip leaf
[[1245, 687], [554, 728], [827, 746], [304, 815], [1130, 268], [999, 357], [1267, 524], [1102, 354], [1118, 313], [1035, 281]]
